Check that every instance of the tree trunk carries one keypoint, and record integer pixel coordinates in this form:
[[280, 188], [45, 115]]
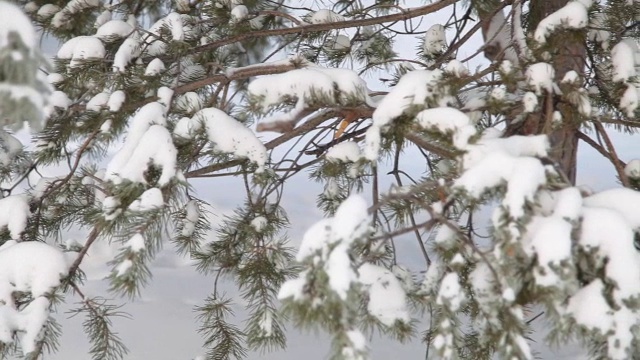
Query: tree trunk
[[570, 55]]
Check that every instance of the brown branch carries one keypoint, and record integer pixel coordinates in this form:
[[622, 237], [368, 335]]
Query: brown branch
[[582, 136], [240, 74], [282, 15], [424, 144], [617, 163], [320, 149], [302, 129], [314, 28], [93, 235]]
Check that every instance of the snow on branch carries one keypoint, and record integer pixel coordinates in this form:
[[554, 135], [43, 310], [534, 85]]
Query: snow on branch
[[331, 276], [306, 89], [227, 134], [572, 16], [549, 226], [30, 267], [148, 141]]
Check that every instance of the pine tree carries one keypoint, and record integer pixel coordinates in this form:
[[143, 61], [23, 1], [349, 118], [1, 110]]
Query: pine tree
[[186, 89]]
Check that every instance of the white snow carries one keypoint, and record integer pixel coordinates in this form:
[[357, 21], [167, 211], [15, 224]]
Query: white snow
[[530, 101], [43, 184], [456, 68], [357, 339], [151, 199], [102, 19], [328, 242], [87, 48], [506, 67], [114, 29], [325, 16], [136, 243], [189, 102], [226, 133], [571, 77], [258, 223], [447, 121], [330, 84], [483, 285], [340, 270], [315, 240], [597, 33], [30, 7], [165, 95], [622, 59], [414, 88], [147, 140], [155, 146], [47, 10], [550, 241], [435, 40], [55, 78], [10, 146], [191, 218], [155, 67], [129, 50], [632, 170], [522, 175], [629, 101], [540, 77], [500, 37], [123, 267], [14, 212], [351, 220], [172, 22], [607, 232], [387, 298], [589, 307], [31, 94], [621, 200], [116, 99], [347, 151], [266, 324], [446, 237], [32, 267], [572, 16], [66, 50], [64, 16], [60, 100], [14, 21], [339, 43], [498, 94], [98, 102], [568, 204], [239, 13], [110, 208], [294, 288], [451, 293]]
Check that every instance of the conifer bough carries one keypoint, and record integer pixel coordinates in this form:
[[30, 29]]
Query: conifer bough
[[410, 126]]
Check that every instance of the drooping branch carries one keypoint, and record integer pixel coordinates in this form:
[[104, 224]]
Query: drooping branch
[[315, 28]]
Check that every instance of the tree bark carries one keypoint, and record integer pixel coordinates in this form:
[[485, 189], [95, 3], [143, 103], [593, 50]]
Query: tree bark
[[570, 56]]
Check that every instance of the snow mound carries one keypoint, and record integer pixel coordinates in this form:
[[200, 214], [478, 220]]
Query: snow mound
[[148, 141], [226, 133], [30, 267]]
